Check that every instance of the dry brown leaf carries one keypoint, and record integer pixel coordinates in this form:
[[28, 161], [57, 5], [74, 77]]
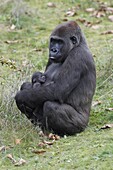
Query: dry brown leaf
[[107, 32], [99, 14], [45, 143], [11, 158], [39, 151], [57, 137], [2, 148], [86, 23], [95, 103], [109, 9], [107, 126], [71, 13], [17, 141], [90, 10], [42, 144], [64, 19], [51, 4], [48, 142], [36, 49], [20, 162], [52, 136], [95, 26], [110, 18], [103, 10], [12, 42], [109, 109], [82, 20]]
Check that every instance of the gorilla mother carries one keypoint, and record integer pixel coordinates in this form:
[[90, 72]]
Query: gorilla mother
[[62, 106]]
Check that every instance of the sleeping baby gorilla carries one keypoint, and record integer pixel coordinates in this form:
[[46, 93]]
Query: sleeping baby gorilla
[[46, 78], [59, 100], [38, 79]]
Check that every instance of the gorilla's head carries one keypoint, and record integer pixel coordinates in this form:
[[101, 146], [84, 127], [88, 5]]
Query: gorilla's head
[[63, 39]]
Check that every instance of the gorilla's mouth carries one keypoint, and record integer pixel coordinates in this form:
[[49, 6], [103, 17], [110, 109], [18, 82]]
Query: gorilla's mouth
[[56, 59]]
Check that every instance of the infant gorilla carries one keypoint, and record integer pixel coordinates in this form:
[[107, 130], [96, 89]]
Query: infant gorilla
[[39, 78]]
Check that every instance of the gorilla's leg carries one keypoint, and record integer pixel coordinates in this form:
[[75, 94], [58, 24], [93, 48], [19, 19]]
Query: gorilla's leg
[[34, 115], [29, 113], [63, 119]]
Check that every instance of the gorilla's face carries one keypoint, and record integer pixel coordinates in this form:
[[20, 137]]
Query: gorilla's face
[[62, 40], [57, 49]]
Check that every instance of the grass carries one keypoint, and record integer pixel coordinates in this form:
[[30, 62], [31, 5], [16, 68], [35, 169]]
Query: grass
[[25, 50]]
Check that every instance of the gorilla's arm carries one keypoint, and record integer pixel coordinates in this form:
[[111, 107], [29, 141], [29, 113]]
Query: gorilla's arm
[[67, 79]]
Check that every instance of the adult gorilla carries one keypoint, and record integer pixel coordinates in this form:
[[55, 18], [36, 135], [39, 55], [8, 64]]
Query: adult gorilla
[[62, 106]]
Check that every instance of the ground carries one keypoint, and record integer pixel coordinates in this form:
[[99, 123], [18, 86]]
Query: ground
[[25, 27]]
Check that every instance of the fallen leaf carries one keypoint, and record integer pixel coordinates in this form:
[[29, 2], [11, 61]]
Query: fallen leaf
[[71, 13], [107, 32], [39, 151], [48, 142], [51, 4], [52, 136], [86, 23], [12, 42], [36, 49], [2, 148], [45, 143], [109, 9], [95, 26], [82, 20], [95, 103], [20, 162], [109, 109], [90, 10], [11, 158], [107, 126], [57, 137], [110, 18], [99, 14], [17, 141], [42, 144], [64, 19]]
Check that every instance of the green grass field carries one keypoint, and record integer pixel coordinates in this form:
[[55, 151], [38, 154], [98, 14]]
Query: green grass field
[[25, 27]]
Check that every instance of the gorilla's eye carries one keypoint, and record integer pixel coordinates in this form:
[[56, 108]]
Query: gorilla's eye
[[73, 39]]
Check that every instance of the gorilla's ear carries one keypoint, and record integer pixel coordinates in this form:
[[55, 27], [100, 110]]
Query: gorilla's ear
[[75, 40]]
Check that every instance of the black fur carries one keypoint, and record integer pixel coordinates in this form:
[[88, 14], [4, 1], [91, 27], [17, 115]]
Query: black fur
[[62, 106]]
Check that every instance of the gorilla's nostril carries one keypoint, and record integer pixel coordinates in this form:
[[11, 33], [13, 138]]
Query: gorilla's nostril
[[54, 50]]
